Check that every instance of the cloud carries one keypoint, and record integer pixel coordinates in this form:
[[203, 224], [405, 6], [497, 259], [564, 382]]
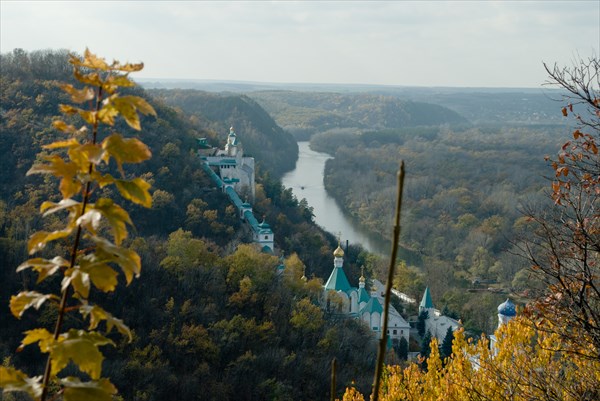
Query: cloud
[[409, 43]]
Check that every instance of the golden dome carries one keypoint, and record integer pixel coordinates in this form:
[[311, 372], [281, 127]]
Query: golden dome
[[339, 252]]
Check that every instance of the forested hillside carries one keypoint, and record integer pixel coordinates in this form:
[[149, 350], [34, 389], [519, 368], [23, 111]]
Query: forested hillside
[[465, 194], [210, 315], [274, 149], [306, 113]]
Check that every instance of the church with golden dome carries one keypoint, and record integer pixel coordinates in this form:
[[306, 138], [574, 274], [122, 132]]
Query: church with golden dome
[[339, 297]]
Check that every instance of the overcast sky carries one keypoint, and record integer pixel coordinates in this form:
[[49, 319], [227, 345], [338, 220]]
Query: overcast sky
[[436, 43]]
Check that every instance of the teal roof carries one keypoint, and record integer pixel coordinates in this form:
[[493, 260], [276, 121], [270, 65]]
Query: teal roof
[[234, 197], [372, 306], [426, 301], [363, 295], [212, 175], [203, 143], [251, 220], [337, 280]]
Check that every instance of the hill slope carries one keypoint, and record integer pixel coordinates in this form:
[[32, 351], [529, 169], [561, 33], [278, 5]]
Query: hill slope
[[274, 149], [305, 113]]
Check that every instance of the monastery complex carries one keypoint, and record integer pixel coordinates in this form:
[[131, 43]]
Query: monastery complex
[[233, 173]]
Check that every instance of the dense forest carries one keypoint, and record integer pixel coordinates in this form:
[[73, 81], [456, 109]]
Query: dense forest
[[466, 192], [306, 113], [207, 304], [214, 318]]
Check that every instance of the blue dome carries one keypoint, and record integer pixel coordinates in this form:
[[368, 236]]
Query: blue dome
[[507, 308]]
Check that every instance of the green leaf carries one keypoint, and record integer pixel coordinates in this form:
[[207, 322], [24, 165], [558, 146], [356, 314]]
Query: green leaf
[[96, 390], [39, 239], [43, 336], [124, 150], [26, 299], [12, 380], [43, 267], [127, 259], [97, 314], [136, 191], [80, 347], [102, 275], [116, 216]]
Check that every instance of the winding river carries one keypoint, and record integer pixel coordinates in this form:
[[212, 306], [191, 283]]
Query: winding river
[[306, 180]]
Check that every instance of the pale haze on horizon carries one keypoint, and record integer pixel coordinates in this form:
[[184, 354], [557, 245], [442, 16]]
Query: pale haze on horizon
[[460, 44]]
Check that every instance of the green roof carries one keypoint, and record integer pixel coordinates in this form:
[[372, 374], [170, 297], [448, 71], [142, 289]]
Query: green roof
[[372, 306], [426, 301], [363, 295], [337, 280]]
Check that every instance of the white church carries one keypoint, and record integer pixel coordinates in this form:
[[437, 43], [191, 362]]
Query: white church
[[341, 298]]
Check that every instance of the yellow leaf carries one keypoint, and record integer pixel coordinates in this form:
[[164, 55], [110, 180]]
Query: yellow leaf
[[81, 348], [39, 239], [14, 380], [92, 78], [24, 300], [96, 390], [90, 220], [85, 154], [127, 67], [116, 216], [125, 150], [78, 95], [79, 280], [129, 106], [97, 314], [102, 180], [50, 207], [68, 187], [120, 80], [101, 274], [127, 259], [58, 168], [63, 127], [90, 60], [67, 109], [62, 144], [43, 336], [43, 267], [136, 191], [107, 113]]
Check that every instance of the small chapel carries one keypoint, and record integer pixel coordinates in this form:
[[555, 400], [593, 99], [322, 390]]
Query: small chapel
[[339, 297]]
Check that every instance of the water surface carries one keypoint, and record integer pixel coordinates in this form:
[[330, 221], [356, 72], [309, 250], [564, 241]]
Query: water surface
[[307, 182]]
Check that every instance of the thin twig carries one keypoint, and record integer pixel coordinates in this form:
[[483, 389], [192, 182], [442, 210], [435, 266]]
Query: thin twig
[[388, 287], [333, 377]]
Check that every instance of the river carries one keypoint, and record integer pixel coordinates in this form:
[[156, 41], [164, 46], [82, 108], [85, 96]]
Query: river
[[306, 180]]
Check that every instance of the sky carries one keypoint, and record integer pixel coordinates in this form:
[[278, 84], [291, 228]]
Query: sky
[[407, 43]]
